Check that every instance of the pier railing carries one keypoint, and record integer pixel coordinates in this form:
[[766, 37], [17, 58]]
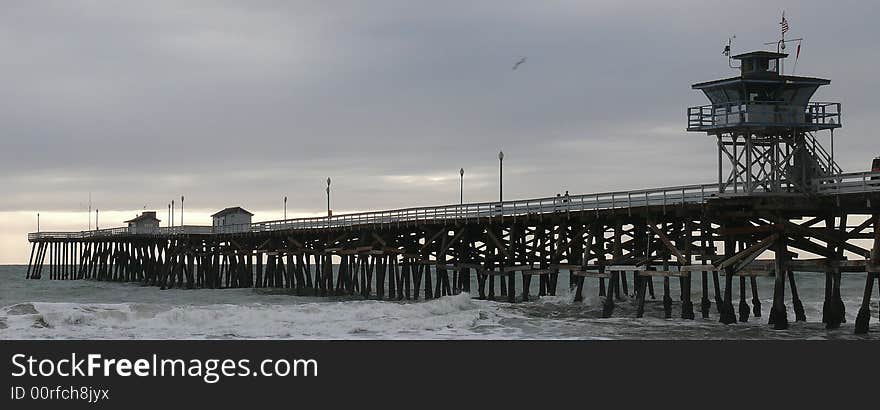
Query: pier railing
[[475, 211], [163, 231], [623, 200], [663, 197], [855, 182]]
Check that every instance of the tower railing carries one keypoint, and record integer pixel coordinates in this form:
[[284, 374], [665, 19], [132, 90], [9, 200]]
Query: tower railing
[[815, 116]]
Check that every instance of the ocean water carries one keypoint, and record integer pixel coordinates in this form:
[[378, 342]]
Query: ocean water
[[44, 309]]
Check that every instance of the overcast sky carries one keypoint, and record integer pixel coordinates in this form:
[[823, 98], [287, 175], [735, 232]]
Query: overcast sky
[[241, 103]]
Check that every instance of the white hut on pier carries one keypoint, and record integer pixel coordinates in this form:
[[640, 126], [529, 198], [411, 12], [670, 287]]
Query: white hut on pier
[[146, 222], [231, 217]]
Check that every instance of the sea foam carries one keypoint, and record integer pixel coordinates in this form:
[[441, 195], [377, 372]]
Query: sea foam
[[448, 317]]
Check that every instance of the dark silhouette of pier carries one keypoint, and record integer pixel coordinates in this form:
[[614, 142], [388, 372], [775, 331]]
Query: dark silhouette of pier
[[780, 206]]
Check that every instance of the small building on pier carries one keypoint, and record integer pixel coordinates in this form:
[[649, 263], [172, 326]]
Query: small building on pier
[[146, 222], [232, 216]]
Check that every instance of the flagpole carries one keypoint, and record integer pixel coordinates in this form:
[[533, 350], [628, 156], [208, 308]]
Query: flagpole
[[781, 44]]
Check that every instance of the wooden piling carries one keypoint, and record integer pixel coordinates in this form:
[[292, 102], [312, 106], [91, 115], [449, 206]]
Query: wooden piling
[[778, 315], [863, 318]]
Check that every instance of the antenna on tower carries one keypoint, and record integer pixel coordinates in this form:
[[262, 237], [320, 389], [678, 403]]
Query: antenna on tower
[[727, 52]]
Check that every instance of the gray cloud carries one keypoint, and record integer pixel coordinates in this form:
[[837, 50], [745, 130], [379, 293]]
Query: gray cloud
[[242, 102]]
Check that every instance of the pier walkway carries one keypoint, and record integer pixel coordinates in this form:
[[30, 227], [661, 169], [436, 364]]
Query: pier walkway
[[848, 183]]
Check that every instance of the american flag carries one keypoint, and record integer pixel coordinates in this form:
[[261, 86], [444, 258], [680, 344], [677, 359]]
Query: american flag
[[784, 24]]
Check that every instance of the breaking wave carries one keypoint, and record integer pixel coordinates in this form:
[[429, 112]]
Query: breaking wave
[[448, 317], [42, 309]]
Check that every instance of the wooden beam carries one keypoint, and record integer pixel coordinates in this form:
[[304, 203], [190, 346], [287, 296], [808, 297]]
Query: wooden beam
[[434, 237], [756, 249], [538, 271], [825, 235], [698, 268], [748, 230], [589, 274], [517, 268], [498, 243], [378, 238], [455, 238], [295, 242], [663, 238], [751, 272], [566, 266], [805, 244], [663, 273], [623, 268], [864, 225], [263, 245]]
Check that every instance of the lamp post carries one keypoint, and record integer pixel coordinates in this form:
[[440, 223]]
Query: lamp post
[[511, 286], [96, 219], [38, 222], [461, 186], [168, 221], [500, 176], [285, 207], [328, 197], [181, 210], [172, 213]]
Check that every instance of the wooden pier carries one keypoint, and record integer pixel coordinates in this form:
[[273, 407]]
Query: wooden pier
[[614, 239], [783, 207]]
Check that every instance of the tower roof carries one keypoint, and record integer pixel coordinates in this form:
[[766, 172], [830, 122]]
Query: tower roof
[[762, 54], [782, 79]]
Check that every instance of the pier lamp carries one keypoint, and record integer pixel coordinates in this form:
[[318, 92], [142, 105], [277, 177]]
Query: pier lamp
[[461, 186], [96, 219], [168, 221], [172, 212], [500, 176], [328, 197], [181, 210], [285, 207], [38, 222]]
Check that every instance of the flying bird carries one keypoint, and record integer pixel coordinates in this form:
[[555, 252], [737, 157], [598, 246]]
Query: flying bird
[[522, 60]]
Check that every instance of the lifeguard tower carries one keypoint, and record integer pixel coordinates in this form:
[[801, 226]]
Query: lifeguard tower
[[766, 126]]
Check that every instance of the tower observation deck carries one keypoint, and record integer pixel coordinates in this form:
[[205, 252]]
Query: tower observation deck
[[765, 125]]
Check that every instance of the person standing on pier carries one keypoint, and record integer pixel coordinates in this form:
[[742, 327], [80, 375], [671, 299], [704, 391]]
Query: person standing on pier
[[567, 201]]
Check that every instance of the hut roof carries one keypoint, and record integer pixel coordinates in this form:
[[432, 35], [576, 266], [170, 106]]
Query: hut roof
[[151, 215], [232, 210]]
